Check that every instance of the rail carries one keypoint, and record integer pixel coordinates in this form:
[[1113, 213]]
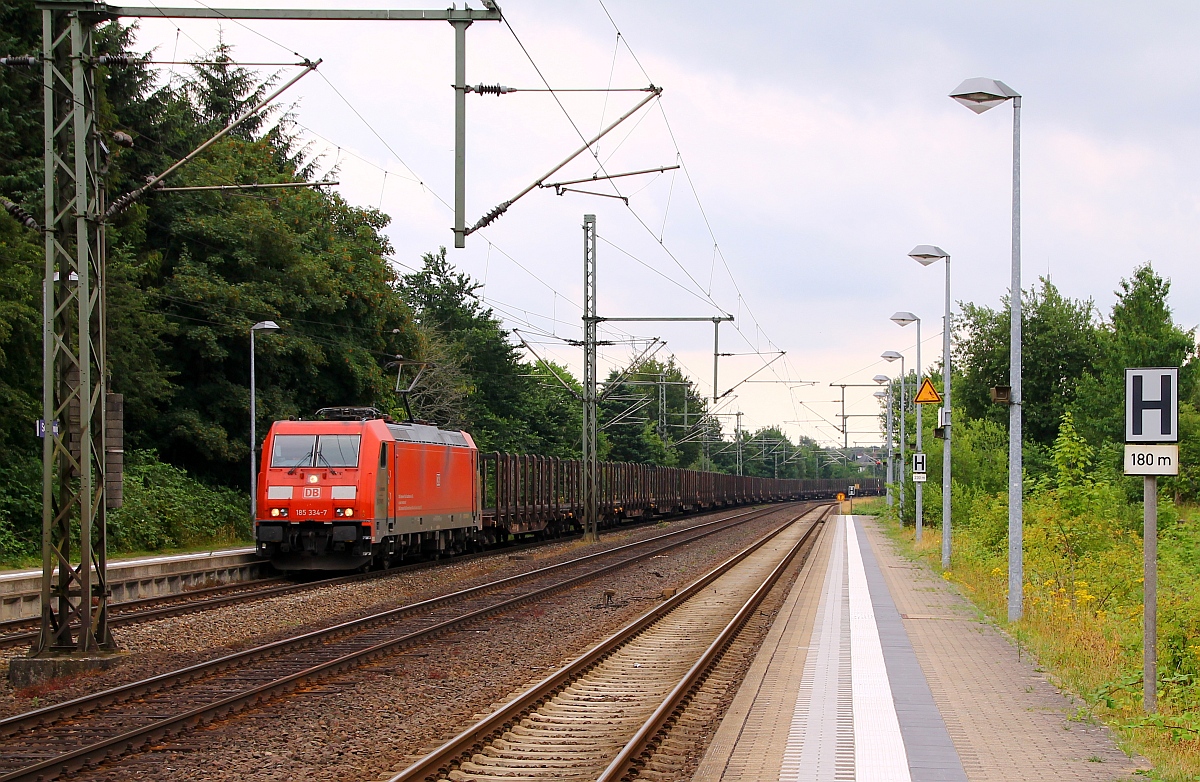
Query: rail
[[439, 763], [326, 641]]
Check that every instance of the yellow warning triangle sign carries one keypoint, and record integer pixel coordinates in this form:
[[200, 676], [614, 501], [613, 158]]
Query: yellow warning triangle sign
[[928, 395]]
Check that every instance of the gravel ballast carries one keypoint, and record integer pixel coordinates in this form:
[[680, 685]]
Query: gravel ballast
[[369, 722]]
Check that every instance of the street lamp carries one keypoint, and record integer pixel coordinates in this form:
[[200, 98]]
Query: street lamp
[[903, 319], [925, 254], [979, 95], [265, 325], [886, 397], [891, 355]]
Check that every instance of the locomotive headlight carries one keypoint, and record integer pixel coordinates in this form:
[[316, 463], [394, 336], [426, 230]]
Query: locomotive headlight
[[347, 511], [313, 479], [274, 511]]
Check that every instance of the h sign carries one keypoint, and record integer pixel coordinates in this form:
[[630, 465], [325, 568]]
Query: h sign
[[1152, 405], [918, 463]]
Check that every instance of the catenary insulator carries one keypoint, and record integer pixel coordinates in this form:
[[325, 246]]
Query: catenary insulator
[[491, 89], [490, 217], [19, 214], [19, 62]]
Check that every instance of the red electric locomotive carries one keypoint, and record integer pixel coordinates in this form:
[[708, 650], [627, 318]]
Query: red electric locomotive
[[356, 487]]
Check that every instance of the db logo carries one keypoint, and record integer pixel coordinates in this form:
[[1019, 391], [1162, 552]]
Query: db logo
[[312, 492]]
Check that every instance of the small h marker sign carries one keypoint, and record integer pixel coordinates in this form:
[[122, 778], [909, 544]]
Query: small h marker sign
[[1152, 405]]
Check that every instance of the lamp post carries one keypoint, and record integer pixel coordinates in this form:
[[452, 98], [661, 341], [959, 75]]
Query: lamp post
[[886, 397], [891, 355], [926, 254], [903, 319], [979, 95], [266, 325]]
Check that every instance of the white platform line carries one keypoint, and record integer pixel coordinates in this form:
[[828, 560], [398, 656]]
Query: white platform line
[[813, 749], [879, 754]]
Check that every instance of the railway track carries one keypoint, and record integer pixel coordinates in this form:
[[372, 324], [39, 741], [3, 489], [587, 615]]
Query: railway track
[[599, 717], [45, 743], [20, 632], [17, 632]]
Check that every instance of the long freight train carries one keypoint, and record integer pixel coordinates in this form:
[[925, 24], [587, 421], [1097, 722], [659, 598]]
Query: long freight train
[[357, 488]]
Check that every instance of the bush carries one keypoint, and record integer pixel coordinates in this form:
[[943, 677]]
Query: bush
[[166, 508], [20, 511]]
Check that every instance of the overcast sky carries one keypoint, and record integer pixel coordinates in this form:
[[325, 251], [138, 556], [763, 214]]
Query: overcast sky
[[819, 146]]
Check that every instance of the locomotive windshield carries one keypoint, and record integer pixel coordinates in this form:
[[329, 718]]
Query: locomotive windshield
[[307, 450], [293, 450], [337, 450]]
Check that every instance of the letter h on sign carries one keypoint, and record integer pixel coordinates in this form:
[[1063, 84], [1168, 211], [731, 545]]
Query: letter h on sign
[[1151, 405]]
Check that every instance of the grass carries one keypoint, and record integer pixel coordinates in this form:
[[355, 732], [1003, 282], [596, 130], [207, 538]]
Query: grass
[[870, 506], [1088, 639]]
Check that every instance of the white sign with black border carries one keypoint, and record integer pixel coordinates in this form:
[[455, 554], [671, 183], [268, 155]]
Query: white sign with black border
[[1151, 459], [918, 477], [918, 463], [1152, 405]]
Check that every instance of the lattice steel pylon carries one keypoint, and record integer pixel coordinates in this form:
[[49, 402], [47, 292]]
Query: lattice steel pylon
[[590, 465], [74, 592]]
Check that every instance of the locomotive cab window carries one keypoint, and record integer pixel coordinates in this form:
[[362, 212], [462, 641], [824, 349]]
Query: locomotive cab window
[[293, 450], [308, 450], [337, 450], [383, 454]]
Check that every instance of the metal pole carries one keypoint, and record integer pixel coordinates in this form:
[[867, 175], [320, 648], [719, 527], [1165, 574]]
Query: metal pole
[[902, 473], [662, 407], [590, 323], [946, 329], [1015, 514], [845, 425], [891, 446], [460, 132], [87, 367], [253, 438], [1150, 598], [920, 487], [716, 348], [50, 288], [73, 371], [737, 438]]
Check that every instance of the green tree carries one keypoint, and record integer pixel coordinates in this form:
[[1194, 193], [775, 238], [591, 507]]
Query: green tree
[[1139, 333], [655, 416], [188, 273], [505, 403], [1059, 345], [20, 283]]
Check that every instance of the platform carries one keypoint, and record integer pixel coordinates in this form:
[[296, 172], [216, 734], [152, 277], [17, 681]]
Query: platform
[[132, 579], [877, 669]]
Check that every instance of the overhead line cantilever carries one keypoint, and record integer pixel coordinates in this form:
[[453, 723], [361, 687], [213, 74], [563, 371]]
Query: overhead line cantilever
[[491, 216], [125, 201]]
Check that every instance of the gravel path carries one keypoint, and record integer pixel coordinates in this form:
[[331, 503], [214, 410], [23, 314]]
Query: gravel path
[[370, 721], [175, 642]]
